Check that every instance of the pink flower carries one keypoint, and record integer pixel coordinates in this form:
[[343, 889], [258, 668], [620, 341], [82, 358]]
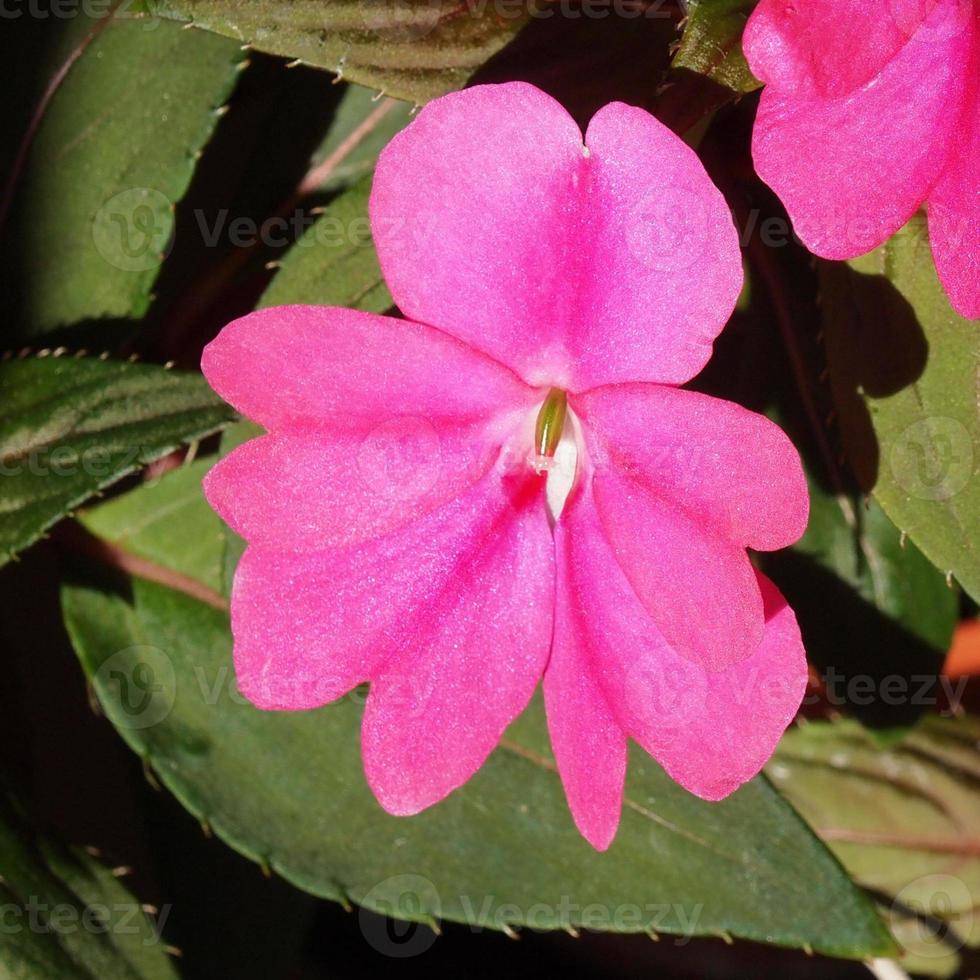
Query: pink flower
[[406, 514], [869, 110]]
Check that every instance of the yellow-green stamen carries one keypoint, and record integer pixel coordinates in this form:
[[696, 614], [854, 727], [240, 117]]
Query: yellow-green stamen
[[550, 423]]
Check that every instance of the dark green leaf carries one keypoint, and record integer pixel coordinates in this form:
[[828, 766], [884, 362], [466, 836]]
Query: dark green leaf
[[362, 125], [114, 153], [73, 426], [411, 49], [712, 43], [859, 543], [163, 521], [334, 263]]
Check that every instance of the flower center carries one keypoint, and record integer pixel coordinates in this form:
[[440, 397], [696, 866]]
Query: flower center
[[550, 424], [555, 450]]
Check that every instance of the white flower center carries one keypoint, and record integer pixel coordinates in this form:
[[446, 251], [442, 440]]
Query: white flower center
[[561, 473], [555, 450]]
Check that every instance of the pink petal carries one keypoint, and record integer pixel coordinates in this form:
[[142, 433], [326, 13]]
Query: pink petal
[[474, 214], [728, 469], [746, 710], [664, 269], [697, 587], [852, 170], [711, 731], [376, 422], [303, 367], [326, 490], [310, 627], [800, 48], [569, 268], [954, 204], [588, 743], [469, 660]]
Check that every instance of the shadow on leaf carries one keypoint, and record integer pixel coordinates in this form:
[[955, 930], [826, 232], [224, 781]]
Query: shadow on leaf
[[873, 668], [875, 348]]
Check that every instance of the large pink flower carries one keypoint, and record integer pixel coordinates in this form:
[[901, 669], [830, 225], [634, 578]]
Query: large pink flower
[[407, 516], [870, 110]]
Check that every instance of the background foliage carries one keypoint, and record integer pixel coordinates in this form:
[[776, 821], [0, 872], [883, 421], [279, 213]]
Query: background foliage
[[175, 163]]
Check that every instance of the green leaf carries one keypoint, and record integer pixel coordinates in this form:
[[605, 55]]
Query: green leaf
[[864, 549], [905, 823], [114, 153], [72, 427], [361, 127], [904, 378], [66, 917], [411, 49], [163, 521], [334, 263], [287, 789], [711, 44]]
